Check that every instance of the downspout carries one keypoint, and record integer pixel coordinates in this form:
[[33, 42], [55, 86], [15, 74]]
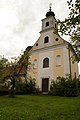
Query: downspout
[[69, 61]]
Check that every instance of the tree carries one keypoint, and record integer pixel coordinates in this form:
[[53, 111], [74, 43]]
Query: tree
[[25, 60], [3, 85], [71, 26], [3, 62], [14, 69]]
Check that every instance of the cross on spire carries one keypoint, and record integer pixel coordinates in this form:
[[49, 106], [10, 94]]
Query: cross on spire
[[50, 6]]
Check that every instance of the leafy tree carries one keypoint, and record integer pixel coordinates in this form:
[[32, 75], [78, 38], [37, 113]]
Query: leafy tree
[[24, 61], [3, 62], [15, 69], [3, 86], [71, 26]]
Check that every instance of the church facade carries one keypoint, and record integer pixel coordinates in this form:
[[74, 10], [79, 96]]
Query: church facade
[[50, 56]]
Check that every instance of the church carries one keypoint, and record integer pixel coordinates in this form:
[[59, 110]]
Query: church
[[50, 55]]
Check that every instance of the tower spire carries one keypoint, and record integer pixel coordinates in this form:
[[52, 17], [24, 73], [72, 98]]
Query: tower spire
[[50, 12]]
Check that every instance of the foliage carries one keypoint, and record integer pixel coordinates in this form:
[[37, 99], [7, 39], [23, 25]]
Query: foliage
[[14, 69], [3, 89], [79, 86], [25, 87], [71, 25], [57, 87], [38, 91], [3, 62], [65, 86], [3, 86]]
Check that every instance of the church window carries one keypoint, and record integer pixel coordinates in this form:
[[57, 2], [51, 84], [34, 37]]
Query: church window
[[46, 63], [35, 64], [46, 39], [58, 60], [47, 24], [55, 25], [36, 44], [56, 39]]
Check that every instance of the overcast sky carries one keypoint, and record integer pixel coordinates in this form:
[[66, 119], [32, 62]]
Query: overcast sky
[[20, 22]]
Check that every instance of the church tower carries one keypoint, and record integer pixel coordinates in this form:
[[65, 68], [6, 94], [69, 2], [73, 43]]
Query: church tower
[[49, 33], [49, 22], [50, 55]]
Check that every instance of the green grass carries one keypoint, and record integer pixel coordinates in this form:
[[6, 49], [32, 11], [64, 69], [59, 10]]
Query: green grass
[[27, 107]]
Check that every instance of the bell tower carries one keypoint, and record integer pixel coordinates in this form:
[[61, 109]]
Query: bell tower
[[49, 22], [49, 32]]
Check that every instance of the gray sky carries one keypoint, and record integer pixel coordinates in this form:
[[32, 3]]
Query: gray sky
[[20, 22]]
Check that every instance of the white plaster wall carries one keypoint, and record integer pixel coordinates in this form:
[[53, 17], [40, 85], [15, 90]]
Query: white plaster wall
[[43, 35], [51, 20], [45, 72]]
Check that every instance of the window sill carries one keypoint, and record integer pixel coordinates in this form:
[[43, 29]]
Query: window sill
[[58, 65]]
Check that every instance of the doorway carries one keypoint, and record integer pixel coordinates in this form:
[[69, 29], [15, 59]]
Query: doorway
[[45, 84]]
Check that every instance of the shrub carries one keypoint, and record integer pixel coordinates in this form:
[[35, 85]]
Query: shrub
[[53, 88], [25, 88], [3, 90], [57, 87], [79, 86], [67, 86], [37, 91], [71, 88]]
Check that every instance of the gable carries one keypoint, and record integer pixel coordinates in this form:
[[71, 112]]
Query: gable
[[48, 39]]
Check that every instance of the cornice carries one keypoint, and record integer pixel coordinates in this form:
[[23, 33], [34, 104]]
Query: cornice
[[49, 47]]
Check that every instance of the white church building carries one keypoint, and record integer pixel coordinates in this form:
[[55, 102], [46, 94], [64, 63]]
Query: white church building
[[50, 56]]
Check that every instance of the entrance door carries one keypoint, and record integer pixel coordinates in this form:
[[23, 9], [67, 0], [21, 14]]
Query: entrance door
[[45, 84]]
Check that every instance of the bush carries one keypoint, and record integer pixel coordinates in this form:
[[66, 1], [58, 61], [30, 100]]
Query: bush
[[71, 88], [4, 92], [67, 86], [37, 91], [25, 88], [79, 86], [57, 87]]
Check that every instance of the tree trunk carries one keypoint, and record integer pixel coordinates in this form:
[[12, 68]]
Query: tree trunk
[[12, 90]]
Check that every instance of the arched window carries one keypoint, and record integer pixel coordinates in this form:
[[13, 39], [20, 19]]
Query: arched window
[[35, 64], [46, 39], [58, 60], [46, 62], [47, 24]]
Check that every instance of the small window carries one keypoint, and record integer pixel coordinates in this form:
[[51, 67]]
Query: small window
[[47, 24], [46, 39], [46, 62], [36, 44], [55, 25], [56, 39], [58, 60]]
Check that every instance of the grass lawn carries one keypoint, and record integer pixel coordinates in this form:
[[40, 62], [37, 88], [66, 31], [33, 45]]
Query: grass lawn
[[27, 107]]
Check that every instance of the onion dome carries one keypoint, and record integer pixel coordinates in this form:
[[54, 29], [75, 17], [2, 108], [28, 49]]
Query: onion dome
[[50, 13]]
